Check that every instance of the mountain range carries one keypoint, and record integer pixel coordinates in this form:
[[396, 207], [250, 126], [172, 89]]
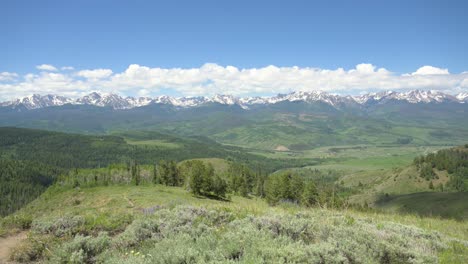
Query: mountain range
[[115, 101]]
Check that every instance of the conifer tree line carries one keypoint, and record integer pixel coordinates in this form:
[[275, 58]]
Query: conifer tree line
[[91, 151], [201, 179], [21, 182], [293, 188], [454, 161], [87, 160]]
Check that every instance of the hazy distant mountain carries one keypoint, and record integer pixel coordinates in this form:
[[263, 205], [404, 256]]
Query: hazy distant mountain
[[118, 102], [37, 101], [298, 120]]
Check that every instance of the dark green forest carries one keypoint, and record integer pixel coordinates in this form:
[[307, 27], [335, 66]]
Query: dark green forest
[[454, 161], [41, 155], [22, 181]]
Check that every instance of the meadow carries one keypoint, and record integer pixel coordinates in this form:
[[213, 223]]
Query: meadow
[[159, 224]]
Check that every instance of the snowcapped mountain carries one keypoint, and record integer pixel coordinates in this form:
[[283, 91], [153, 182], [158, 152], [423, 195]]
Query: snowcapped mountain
[[414, 96], [224, 99], [462, 97], [110, 100], [140, 101], [36, 101], [118, 102]]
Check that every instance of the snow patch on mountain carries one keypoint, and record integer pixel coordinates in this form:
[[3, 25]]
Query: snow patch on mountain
[[463, 97], [118, 102]]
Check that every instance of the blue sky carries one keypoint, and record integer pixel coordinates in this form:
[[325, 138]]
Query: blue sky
[[400, 36]]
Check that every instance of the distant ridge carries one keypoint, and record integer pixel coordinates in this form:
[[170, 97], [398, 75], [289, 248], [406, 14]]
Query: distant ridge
[[115, 101]]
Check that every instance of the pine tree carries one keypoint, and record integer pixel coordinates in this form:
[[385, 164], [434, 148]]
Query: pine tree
[[135, 170], [219, 187], [296, 187], [272, 190], [156, 178], [208, 174], [310, 194], [196, 177]]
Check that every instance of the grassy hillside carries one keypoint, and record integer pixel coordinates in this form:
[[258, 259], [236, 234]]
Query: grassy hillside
[[156, 224], [296, 125], [146, 147], [74, 150], [381, 190], [220, 166], [31, 159], [23, 181], [448, 205]]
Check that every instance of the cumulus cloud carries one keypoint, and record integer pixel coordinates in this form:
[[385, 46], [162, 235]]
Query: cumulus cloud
[[429, 70], [95, 74], [67, 68], [212, 79], [8, 76], [46, 67]]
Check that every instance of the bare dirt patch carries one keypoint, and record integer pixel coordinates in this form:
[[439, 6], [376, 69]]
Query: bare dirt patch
[[281, 148], [7, 244]]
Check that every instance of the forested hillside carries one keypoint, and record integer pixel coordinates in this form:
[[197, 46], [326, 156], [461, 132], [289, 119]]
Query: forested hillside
[[296, 125], [23, 181], [32, 159], [86, 151], [454, 161]]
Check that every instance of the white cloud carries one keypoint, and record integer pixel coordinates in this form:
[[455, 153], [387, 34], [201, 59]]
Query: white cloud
[[464, 83], [95, 74], [46, 67], [8, 76], [365, 68], [212, 78], [67, 68], [429, 70]]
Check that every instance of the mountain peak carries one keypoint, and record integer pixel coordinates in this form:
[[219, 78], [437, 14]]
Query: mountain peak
[[116, 101]]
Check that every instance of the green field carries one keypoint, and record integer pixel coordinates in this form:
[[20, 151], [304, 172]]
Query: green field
[[356, 157], [154, 142], [433, 204], [220, 165]]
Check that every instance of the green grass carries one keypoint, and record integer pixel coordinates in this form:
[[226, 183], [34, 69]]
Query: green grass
[[154, 142], [428, 204], [396, 181], [127, 199], [220, 166], [119, 209], [355, 157]]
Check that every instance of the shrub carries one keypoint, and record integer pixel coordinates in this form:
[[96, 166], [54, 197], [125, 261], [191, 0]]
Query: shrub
[[82, 249], [28, 251], [187, 234], [138, 231], [67, 225], [109, 222], [16, 221]]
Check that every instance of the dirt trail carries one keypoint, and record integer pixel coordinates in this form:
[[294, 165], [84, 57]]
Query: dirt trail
[[130, 202], [7, 244]]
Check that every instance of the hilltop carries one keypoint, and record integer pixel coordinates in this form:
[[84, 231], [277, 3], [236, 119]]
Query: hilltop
[[157, 224]]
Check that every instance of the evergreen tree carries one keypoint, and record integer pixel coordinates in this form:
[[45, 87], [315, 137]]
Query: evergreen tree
[[219, 187], [135, 172], [272, 190], [296, 187], [208, 174], [196, 177], [310, 194], [156, 178]]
